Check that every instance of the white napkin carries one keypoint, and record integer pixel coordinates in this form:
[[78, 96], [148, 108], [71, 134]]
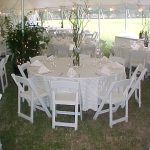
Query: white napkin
[[116, 65], [104, 70], [135, 46], [36, 63], [104, 59], [52, 57], [71, 46], [71, 72], [43, 69]]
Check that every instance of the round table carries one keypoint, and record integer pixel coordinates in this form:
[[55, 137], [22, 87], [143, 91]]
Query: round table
[[94, 75]]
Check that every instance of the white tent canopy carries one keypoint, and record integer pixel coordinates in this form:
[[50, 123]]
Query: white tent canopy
[[37, 4], [10, 5]]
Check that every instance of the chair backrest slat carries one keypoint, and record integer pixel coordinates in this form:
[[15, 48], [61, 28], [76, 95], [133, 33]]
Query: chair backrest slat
[[119, 86], [22, 68], [134, 85]]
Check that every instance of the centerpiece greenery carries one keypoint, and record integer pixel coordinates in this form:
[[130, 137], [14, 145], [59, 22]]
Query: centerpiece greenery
[[79, 19], [24, 43]]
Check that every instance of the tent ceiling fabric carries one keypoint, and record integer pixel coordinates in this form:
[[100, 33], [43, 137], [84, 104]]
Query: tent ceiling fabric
[[31, 4]]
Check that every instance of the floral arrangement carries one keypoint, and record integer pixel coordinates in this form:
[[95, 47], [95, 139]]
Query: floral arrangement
[[24, 43]]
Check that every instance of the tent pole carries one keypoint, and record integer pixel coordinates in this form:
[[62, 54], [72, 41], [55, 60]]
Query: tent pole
[[99, 23], [125, 16], [22, 15], [62, 18]]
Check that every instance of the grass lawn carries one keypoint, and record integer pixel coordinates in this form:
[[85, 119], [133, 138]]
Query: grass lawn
[[109, 28], [18, 134]]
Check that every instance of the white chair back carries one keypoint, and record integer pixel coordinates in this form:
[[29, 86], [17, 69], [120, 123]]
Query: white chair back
[[22, 68], [135, 83], [40, 58], [136, 58], [3, 74]]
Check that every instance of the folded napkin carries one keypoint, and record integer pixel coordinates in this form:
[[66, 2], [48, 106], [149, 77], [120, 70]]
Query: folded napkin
[[71, 46], [43, 69], [135, 46], [71, 72], [104, 70], [36, 63], [116, 65], [52, 57], [104, 59]]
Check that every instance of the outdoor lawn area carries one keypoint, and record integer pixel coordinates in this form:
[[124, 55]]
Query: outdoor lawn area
[[19, 134], [109, 28]]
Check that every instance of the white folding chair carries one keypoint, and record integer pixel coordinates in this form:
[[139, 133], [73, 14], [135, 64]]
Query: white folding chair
[[35, 96], [22, 68], [40, 58], [65, 92], [3, 75], [136, 78], [0, 96], [5, 61], [136, 58], [117, 95], [6, 58]]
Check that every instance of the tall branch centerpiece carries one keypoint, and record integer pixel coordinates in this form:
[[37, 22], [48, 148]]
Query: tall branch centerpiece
[[79, 19]]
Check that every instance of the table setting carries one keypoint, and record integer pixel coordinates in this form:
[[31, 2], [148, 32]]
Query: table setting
[[92, 74]]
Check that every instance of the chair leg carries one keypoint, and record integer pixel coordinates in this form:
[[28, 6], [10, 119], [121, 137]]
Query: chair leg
[[136, 94], [45, 108], [110, 116], [126, 111], [139, 94], [6, 79], [76, 116], [80, 111], [53, 115], [31, 111], [19, 104], [98, 110], [2, 82], [130, 72]]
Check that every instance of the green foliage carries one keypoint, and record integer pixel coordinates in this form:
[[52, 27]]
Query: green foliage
[[24, 43], [105, 47]]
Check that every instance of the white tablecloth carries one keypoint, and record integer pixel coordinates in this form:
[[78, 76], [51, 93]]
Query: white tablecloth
[[92, 81], [140, 54], [59, 46]]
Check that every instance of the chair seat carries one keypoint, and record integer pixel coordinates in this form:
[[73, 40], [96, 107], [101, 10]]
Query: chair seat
[[65, 98], [117, 97], [28, 94], [117, 59]]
